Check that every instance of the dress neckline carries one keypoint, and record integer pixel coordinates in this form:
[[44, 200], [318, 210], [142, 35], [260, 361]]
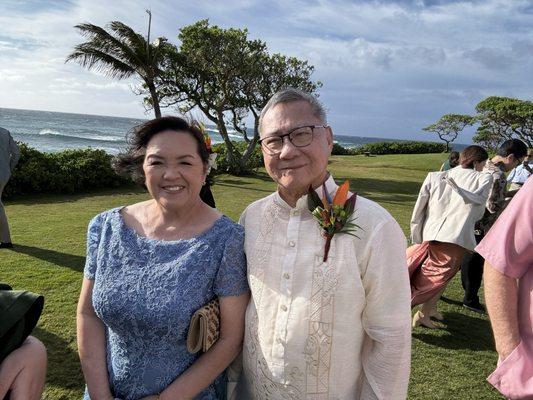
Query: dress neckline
[[130, 230]]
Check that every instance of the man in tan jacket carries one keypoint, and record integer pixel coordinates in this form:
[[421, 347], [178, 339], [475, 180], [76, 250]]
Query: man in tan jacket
[[9, 156]]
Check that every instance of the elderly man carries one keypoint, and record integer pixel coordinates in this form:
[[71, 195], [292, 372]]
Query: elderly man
[[508, 253], [315, 329], [9, 156]]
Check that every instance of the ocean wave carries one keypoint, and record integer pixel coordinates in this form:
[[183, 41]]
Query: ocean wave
[[232, 134], [98, 138]]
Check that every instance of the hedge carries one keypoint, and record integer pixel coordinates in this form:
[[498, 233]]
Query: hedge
[[76, 171], [404, 147], [68, 171]]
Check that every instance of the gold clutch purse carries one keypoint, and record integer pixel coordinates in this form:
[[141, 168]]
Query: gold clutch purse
[[204, 328]]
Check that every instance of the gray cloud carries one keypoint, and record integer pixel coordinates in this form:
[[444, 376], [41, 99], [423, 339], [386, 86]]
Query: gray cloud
[[491, 58], [388, 67]]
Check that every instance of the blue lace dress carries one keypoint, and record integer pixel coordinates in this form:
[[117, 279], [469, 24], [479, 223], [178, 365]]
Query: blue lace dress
[[145, 292]]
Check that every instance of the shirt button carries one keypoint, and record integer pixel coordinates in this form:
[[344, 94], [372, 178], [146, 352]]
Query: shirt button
[[295, 212], [286, 275], [284, 307], [292, 244], [279, 340]]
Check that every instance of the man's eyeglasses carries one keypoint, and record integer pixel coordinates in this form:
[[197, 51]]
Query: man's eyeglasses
[[299, 137]]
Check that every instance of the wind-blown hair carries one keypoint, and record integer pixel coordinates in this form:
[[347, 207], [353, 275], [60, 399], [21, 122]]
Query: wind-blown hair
[[513, 146], [130, 162]]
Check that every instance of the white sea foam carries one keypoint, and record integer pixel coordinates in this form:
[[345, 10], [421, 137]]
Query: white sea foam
[[101, 138]]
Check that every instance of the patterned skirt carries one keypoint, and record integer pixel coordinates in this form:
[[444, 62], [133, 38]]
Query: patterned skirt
[[431, 266]]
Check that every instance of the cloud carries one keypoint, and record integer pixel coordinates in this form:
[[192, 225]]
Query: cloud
[[491, 58], [388, 67]]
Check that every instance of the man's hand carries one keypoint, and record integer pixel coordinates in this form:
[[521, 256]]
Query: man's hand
[[24, 371]]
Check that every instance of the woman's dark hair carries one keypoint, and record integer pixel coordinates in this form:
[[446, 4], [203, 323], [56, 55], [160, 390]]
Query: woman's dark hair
[[453, 159], [472, 154], [513, 146], [130, 162]]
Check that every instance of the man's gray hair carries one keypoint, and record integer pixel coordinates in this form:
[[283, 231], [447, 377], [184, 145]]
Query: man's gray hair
[[290, 95]]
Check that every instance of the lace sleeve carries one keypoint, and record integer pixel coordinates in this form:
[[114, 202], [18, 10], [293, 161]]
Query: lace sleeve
[[93, 240], [231, 278]]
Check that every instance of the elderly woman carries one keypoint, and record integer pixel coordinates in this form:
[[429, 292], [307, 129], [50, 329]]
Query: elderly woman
[[442, 228], [150, 266]]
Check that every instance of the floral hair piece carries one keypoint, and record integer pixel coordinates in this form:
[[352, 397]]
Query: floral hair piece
[[211, 162]]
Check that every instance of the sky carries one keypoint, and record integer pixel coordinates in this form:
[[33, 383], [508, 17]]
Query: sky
[[388, 68]]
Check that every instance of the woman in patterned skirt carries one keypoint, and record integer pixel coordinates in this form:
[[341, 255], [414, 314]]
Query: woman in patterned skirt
[[442, 229]]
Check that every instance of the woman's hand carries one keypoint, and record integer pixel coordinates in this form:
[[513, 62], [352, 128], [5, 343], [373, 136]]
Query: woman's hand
[[24, 371], [450, 181]]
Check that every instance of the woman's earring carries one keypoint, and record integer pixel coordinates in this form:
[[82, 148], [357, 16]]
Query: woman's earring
[[203, 183]]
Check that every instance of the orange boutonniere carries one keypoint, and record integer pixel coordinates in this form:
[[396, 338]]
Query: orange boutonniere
[[333, 214]]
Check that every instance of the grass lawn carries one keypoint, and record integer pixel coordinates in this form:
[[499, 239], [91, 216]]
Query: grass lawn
[[49, 233]]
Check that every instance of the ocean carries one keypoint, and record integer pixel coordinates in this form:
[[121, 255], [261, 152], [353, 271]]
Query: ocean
[[55, 131]]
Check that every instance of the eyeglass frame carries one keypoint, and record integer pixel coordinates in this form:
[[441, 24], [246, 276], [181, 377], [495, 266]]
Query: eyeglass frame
[[288, 134]]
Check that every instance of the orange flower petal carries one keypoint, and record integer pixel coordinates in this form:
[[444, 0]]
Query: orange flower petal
[[342, 194]]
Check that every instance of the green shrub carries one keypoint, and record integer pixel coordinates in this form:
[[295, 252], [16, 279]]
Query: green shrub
[[338, 150], [255, 161], [68, 171], [404, 147]]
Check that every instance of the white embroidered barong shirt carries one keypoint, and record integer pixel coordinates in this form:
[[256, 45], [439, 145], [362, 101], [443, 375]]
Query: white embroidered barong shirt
[[338, 329]]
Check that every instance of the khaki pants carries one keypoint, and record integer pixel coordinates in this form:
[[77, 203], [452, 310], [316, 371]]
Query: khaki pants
[[4, 226]]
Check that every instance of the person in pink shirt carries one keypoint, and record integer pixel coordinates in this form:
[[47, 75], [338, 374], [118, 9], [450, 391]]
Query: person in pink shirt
[[508, 253]]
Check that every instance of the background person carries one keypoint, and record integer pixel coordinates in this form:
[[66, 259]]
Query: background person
[[508, 252], [9, 157], [510, 154], [451, 162], [23, 371], [518, 176], [149, 266], [22, 357], [442, 228]]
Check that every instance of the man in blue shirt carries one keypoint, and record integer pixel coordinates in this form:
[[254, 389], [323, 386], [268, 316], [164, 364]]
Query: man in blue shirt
[[517, 177]]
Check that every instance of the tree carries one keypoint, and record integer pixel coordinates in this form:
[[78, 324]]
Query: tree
[[488, 139], [449, 126], [503, 118], [120, 52], [228, 76]]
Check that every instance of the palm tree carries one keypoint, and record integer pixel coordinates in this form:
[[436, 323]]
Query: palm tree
[[120, 52]]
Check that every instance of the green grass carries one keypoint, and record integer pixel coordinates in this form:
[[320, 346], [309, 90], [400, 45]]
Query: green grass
[[49, 232]]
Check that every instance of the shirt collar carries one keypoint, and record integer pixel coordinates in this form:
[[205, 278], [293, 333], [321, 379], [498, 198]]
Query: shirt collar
[[301, 204]]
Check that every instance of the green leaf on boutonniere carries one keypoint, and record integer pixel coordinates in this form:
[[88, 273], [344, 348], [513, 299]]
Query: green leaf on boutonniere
[[313, 200], [349, 206]]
